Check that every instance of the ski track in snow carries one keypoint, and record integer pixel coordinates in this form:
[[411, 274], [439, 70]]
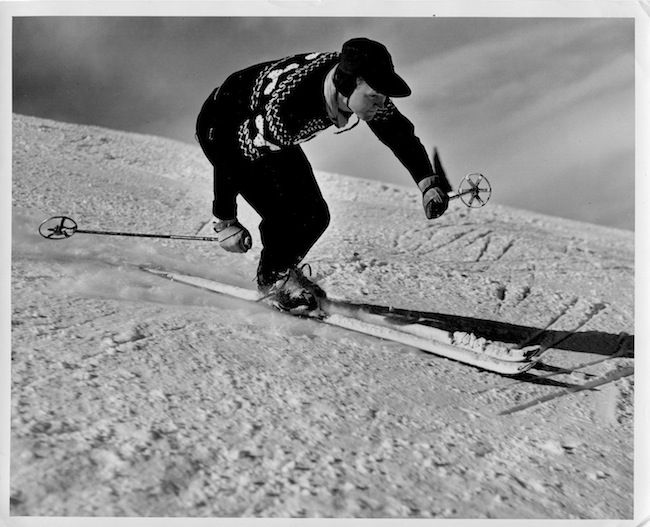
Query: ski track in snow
[[133, 395]]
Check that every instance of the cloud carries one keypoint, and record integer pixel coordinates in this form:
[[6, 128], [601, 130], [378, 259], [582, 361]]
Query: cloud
[[540, 109], [535, 55]]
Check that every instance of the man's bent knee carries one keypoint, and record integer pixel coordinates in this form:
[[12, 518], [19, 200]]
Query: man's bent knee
[[320, 218]]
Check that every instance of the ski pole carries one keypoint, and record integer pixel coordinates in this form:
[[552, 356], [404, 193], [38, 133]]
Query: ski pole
[[63, 227], [473, 187]]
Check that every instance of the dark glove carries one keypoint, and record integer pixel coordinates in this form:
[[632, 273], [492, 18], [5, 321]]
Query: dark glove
[[232, 235], [434, 199]]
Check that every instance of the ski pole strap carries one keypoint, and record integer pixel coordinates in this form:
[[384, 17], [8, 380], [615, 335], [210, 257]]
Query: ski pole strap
[[428, 182]]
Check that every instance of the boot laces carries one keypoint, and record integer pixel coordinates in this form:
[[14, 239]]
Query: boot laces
[[302, 273], [285, 276]]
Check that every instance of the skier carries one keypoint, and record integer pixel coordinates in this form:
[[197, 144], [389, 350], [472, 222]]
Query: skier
[[251, 127]]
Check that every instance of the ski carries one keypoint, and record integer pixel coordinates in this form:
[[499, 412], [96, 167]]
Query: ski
[[462, 339], [336, 313]]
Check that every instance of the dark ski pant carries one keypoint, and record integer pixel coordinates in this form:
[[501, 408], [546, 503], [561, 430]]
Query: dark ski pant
[[279, 186]]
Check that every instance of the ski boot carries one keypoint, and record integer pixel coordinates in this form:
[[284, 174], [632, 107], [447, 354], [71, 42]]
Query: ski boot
[[290, 290]]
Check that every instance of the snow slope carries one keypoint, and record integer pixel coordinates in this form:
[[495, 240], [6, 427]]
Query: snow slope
[[132, 395]]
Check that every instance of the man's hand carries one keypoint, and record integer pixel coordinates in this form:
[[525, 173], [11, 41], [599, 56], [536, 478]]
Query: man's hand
[[232, 235], [434, 199]]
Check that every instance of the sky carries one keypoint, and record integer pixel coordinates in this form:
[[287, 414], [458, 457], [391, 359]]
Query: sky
[[544, 107]]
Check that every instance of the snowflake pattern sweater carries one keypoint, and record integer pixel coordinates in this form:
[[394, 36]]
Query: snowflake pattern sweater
[[281, 103]]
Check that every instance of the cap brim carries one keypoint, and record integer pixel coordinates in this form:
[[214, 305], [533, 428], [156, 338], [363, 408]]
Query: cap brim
[[391, 86]]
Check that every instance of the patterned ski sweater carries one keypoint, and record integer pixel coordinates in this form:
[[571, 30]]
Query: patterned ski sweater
[[282, 103]]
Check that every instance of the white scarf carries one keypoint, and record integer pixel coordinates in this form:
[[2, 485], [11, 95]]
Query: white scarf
[[332, 101]]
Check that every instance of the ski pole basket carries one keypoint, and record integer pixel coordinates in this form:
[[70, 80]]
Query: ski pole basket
[[474, 190], [57, 228]]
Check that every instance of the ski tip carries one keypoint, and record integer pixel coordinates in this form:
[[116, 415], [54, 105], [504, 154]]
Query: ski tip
[[154, 270]]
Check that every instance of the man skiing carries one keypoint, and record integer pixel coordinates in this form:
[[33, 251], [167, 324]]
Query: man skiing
[[251, 127]]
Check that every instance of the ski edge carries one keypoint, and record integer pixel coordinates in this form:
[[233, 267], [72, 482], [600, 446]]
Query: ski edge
[[494, 349]]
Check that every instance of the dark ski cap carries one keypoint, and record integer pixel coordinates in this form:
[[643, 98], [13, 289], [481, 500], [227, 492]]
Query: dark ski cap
[[370, 60]]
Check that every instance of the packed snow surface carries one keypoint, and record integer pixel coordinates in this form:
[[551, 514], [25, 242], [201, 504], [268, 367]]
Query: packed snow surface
[[136, 396]]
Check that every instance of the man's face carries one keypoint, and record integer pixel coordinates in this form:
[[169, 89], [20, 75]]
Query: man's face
[[364, 101]]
